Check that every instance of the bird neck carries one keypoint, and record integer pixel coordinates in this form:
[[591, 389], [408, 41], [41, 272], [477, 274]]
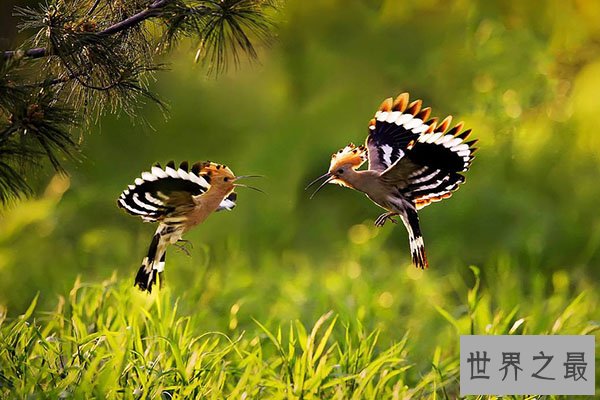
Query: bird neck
[[222, 189], [216, 194], [360, 180]]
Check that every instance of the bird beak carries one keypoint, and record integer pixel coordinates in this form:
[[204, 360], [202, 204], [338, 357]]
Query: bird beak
[[248, 186], [328, 178], [248, 176]]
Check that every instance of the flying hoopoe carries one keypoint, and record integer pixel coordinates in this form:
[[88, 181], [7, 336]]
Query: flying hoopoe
[[412, 162], [178, 199]]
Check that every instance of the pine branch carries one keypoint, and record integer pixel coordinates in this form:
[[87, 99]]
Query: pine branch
[[38, 52], [153, 10]]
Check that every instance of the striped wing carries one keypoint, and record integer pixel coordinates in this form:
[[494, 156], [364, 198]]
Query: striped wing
[[163, 192], [431, 169], [395, 127]]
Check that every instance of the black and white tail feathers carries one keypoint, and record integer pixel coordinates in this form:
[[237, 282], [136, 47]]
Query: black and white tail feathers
[[417, 247], [153, 265]]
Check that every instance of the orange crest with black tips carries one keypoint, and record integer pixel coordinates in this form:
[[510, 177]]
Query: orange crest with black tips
[[214, 170], [351, 154]]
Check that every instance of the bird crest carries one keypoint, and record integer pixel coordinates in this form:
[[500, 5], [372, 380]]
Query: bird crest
[[210, 169], [351, 154]]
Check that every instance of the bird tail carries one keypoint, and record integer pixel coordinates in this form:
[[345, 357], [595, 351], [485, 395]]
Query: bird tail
[[153, 264], [417, 247]]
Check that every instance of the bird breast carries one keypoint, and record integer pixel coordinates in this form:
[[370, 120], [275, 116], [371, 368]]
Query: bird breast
[[206, 204]]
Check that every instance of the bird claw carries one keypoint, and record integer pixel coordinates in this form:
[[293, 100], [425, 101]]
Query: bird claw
[[182, 248], [381, 220]]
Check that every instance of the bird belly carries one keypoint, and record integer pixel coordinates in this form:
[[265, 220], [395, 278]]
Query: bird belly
[[381, 202], [397, 203]]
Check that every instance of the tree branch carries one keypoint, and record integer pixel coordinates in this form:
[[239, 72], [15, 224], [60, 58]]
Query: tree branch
[[152, 11], [38, 52]]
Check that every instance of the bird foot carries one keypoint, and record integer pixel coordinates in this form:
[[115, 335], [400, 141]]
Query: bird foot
[[381, 220], [182, 247]]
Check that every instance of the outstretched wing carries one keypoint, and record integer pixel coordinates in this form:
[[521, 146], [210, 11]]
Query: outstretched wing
[[431, 169], [395, 127], [162, 192]]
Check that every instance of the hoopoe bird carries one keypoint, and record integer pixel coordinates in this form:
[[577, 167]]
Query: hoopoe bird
[[413, 162], [178, 199]]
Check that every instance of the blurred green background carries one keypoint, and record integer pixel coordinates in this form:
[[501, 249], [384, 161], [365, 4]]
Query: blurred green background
[[525, 76]]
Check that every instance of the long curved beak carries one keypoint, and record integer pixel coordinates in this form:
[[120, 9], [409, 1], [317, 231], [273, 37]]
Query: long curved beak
[[326, 175], [248, 176], [248, 186], [328, 178]]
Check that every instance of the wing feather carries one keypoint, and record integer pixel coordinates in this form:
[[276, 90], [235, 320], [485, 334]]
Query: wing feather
[[159, 192], [395, 127], [423, 160]]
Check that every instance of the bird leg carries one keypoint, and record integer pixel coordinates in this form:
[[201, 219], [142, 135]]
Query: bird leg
[[183, 248], [381, 220]]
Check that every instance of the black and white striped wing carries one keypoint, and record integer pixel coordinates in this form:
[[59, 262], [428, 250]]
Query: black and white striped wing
[[432, 185], [395, 127], [162, 192], [432, 166]]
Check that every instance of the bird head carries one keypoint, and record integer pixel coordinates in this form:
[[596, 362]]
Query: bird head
[[345, 160], [350, 157], [220, 176], [217, 174]]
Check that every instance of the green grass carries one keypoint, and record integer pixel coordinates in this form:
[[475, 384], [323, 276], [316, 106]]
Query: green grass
[[109, 340]]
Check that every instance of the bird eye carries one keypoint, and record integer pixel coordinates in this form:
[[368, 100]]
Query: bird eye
[[226, 179], [340, 171]]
